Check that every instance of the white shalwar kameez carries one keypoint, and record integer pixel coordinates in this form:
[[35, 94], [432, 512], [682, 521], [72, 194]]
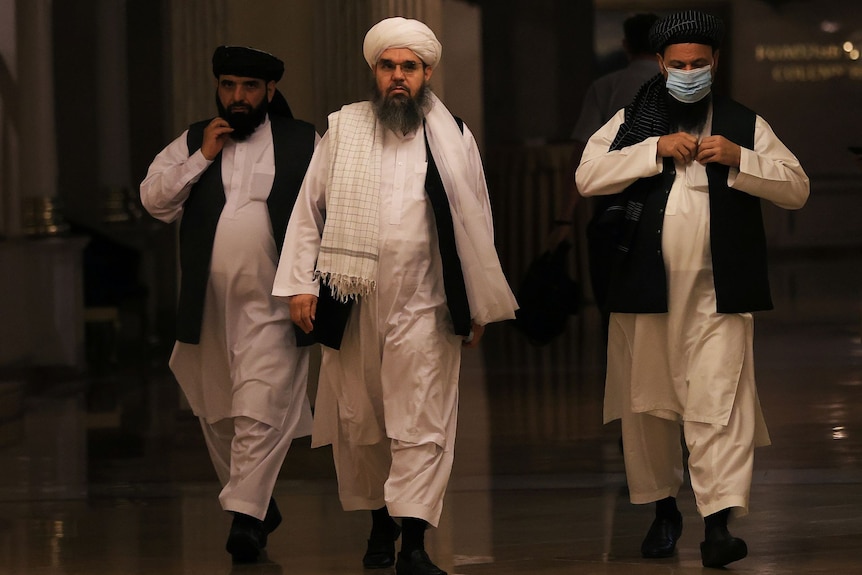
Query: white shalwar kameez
[[387, 400], [246, 380], [691, 366]]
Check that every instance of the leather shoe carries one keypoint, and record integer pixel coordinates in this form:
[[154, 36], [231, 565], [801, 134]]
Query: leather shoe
[[660, 540], [718, 552], [380, 552], [416, 562], [246, 539], [271, 520]]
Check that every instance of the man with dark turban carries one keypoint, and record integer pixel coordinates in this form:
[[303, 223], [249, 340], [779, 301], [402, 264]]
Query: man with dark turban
[[685, 173], [234, 180], [393, 227]]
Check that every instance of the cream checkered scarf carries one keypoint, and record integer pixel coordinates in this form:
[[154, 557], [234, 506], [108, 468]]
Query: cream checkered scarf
[[348, 248]]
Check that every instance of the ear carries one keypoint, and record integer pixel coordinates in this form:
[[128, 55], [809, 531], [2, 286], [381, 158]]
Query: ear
[[270, 90], [428, 72]]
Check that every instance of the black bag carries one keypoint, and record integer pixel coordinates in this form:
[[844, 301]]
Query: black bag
[[331, 318], [603, 236], [547, 296]]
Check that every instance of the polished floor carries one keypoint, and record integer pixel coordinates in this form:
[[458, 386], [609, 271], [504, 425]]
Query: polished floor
[[107, 474]]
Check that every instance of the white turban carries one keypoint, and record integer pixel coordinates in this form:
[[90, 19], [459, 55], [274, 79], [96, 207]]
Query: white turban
[[402, 33]]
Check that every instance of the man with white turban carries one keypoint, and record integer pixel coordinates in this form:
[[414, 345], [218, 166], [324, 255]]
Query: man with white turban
[[393, 231]]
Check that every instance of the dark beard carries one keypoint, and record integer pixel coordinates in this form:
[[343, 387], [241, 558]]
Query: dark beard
[[689, 118], [243, 122], [401, 114]]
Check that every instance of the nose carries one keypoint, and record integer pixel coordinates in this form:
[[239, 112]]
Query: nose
[[238, 94], [398, 72]]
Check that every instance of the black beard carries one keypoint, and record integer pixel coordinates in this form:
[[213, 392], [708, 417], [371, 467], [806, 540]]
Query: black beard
[[690, 118], [401, 113], [243, 122]]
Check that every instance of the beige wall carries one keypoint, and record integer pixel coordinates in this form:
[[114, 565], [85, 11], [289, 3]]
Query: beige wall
[[461, 90], [284, 29]]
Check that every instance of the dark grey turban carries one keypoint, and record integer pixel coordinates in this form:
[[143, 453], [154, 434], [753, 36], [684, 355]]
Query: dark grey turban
[[246, 62], [690, 26]]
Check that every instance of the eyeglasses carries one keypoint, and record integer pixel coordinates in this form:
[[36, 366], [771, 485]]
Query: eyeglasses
[[407, 68]]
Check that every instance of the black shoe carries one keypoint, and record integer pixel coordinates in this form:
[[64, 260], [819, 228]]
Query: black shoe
[[380, 552], [416, 562], [271, 520], [719, 551], [246, 539], [660, 540]]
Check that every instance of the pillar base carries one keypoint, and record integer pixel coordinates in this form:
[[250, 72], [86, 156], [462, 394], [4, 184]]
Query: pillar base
[[43, 216]]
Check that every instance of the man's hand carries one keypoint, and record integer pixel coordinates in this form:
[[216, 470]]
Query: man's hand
[[681, 146], [303, 308], [718, 149], [477, 330], [215, 135]]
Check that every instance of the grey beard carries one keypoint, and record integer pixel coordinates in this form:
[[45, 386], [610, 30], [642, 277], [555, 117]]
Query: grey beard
[[402, 114]]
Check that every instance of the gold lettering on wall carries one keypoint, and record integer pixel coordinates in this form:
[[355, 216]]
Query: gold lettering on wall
[[811, 62]]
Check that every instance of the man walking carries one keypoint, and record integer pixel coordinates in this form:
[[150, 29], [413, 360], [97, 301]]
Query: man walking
[[234, 180], [393, 225]]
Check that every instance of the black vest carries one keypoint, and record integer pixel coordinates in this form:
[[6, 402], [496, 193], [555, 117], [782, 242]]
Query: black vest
[[293, 145], [638, 282]]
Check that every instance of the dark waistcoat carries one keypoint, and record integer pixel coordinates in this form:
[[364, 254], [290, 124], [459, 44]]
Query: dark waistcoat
[[638, 282], [293, 145]]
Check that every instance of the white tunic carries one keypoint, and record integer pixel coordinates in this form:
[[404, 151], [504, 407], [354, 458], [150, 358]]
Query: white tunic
[[396, 374], [686, 364], [247, 363]]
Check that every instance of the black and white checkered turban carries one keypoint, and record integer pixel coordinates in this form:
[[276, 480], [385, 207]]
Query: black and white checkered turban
[[690, 26]]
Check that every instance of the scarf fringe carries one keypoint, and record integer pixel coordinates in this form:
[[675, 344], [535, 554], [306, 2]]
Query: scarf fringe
[[346, 287]]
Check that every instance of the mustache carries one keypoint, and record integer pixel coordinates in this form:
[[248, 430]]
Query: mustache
[[398, 86]]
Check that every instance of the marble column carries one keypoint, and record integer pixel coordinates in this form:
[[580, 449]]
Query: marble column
[[112, 98], [36, 128]]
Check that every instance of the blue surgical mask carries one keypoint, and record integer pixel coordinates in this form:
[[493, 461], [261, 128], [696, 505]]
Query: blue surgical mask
[[689, 86]]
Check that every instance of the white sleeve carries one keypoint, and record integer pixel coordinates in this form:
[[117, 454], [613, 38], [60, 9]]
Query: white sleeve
[[602, 173], [170, 178], [295, 272], [770, 171]]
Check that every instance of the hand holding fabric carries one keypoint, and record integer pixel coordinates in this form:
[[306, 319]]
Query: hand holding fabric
[[681, 146], [718, 149]]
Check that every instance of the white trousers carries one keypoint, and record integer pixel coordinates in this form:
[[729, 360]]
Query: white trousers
[[410, 479], [247, 456], [720, 463]]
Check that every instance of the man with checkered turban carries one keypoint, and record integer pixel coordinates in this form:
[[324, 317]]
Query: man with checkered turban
[[683, 173]]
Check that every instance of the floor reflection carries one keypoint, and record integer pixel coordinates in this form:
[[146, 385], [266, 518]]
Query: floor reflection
[[109, 475]]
